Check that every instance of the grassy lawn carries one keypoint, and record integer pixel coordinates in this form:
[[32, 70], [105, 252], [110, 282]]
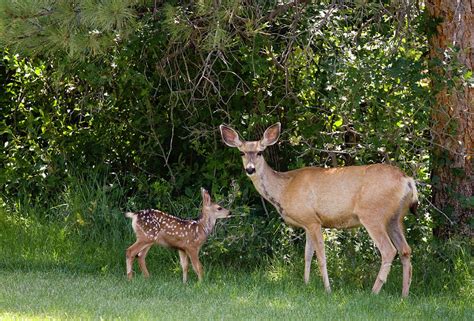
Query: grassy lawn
[[224, 295], [45, 274]]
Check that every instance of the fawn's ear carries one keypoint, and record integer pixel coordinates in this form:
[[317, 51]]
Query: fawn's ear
[[206, 198], [230, 136], [271, 135]]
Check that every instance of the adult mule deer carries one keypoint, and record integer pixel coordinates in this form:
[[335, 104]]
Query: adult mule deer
[[376, 196], [187, 236]]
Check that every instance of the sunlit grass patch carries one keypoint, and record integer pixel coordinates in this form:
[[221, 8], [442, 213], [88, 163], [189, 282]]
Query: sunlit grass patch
[[226, 294]]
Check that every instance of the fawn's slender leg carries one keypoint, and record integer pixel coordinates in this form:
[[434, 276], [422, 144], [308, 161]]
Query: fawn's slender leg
[[316, 235], [131, 252], [183, 258], [197, 266], [308, 256], [141, 260]]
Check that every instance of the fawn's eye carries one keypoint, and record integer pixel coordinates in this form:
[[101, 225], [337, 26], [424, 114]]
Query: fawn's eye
[[242, 154], [259, 153], [219, 208]]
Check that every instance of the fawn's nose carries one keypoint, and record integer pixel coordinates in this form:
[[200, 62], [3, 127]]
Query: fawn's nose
[[250, 170]]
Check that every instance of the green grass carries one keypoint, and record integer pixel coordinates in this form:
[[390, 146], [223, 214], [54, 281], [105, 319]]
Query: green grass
[[224, 295]]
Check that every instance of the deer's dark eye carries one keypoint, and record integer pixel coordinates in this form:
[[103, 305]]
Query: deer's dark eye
[[242, 154], [219, 208], [259, 153]]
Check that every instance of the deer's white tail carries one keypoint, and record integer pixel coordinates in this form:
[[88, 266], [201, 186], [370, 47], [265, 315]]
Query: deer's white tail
[[129, 214], [414, 198]]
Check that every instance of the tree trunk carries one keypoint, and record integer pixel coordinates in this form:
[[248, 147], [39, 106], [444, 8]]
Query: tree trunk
[[451, 50]]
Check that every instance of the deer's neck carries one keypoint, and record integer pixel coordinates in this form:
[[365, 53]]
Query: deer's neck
[[207, 223], [270, 184]]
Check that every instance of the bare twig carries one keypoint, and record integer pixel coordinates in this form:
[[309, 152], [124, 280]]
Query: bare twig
[[440, 211]]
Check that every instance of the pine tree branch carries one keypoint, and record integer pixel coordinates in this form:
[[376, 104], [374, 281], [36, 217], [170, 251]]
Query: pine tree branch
[[282, 8]]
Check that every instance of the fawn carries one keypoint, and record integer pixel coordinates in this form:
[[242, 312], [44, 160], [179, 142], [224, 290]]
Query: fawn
[[187, 236]]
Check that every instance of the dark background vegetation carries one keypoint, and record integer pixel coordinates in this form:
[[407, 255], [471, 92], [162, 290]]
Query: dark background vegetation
[[111, 106]]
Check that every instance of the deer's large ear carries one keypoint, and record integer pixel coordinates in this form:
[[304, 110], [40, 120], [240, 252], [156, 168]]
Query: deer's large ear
[[230, 136], [271, 135], [206, 198]]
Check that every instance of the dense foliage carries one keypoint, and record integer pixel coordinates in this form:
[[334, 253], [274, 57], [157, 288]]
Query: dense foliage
[[115, 105]]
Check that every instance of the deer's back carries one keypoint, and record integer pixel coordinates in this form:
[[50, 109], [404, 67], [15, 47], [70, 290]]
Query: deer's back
[[335, 196]]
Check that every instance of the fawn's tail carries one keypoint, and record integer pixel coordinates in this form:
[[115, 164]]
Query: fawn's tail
[[130, 214]]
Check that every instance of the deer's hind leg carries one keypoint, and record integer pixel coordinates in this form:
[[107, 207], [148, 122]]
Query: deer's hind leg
[[141, 260], [130, 254], [395, 231], [378, 233]]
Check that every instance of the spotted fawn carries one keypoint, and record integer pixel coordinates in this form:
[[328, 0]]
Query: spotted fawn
[[187, 236]]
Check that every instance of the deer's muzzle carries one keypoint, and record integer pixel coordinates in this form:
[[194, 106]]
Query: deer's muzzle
[[250, 170]]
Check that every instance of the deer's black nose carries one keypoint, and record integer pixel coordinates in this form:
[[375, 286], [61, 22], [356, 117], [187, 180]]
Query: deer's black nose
[[250, 170]]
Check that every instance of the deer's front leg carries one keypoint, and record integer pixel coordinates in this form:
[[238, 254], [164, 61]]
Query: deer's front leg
[[308, 256], [316, 235], [197, 266], [183, 258]]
